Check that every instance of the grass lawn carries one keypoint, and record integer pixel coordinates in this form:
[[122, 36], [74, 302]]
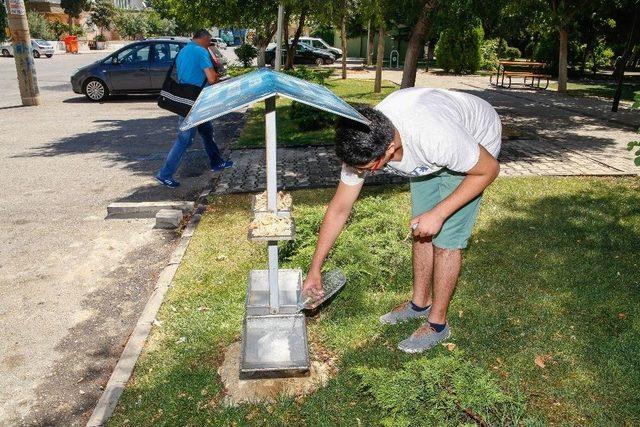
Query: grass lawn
[[351, 90], [601, 89], [547, 311]]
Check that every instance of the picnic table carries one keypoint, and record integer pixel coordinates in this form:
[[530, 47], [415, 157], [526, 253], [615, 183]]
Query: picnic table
[[520, 69]]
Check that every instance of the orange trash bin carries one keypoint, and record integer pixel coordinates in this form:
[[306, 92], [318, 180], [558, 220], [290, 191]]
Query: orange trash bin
[[71, 44]]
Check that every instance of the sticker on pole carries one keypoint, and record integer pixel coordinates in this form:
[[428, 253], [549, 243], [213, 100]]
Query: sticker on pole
[[16, 7], [236, 93]]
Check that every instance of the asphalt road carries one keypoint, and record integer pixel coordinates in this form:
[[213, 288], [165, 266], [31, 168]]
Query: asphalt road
[[72, 283]]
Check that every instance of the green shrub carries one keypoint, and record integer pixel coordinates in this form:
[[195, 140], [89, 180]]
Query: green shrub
[[489, 53], [312, 75], [246, 54], [458, 49], [440, 390], [512, 53], [310, 118], [39, 27], [4, 25]]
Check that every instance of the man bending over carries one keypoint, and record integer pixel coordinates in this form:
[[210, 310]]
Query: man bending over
[[446, 143]]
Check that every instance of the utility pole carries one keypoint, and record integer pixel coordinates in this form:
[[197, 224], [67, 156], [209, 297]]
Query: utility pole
[[21, 42], [279, 37]]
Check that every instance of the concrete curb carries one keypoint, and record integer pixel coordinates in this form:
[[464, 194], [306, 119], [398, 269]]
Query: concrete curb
[[127, 361]]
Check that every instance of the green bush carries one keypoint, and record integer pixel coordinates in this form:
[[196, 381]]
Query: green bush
[[441, 390], [141, 24], [103, 13], [312, 75], [512, 53], [39, 27], [489, 53], [246, 54], [3, 24], [310, 118], [458, 49]]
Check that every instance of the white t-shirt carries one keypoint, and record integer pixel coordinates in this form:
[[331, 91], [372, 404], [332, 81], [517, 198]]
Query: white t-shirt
[[439, 129]]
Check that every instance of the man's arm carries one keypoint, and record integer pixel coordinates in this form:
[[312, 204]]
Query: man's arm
[[478, 178], [212, 76], [334, 219]]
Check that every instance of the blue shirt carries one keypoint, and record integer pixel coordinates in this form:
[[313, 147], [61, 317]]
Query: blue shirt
[[191, 63]]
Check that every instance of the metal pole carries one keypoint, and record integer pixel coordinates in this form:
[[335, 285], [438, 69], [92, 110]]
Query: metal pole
[[272, 200], [21, 42], [279, 37]]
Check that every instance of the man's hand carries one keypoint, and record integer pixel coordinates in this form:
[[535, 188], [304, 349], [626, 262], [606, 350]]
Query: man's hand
[[312, 287], [428, 224]]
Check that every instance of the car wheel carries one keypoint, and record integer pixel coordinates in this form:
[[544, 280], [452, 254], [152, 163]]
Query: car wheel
[[328, 62], [49, 55], [273, 63], [5, 52], [319, 61], [95, 90], [36, 54]]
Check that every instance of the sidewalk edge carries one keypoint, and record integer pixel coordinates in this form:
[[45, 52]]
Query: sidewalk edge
[[127, 361]]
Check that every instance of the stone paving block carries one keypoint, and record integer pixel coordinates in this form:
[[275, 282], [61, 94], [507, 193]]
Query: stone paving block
[[168, 218]]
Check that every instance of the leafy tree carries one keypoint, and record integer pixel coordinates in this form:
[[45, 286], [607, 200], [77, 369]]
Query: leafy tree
[[416, 41], [73, 8], [103, 13], [132, 25], [159, 26], [459, 46], [39, 27]]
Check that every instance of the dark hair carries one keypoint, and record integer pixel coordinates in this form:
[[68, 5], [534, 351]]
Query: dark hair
[[358, 144], [201, 33]]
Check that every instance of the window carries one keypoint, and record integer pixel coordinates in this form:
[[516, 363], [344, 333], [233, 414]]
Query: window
[[317, 44], [134, 55], [165, 52]]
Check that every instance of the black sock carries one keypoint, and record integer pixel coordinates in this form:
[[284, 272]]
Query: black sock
[[437, 326], [418, 308]]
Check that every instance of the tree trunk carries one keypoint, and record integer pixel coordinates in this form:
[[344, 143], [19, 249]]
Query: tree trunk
[[377, 86], [562, 60], [418, 34], [371, 35], [261, 59], [291, 49], [343, 42]]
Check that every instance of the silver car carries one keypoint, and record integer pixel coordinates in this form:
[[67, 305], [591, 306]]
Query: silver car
[[39, 48]]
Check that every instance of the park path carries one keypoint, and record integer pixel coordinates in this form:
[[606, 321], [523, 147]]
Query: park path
[[545, 134]]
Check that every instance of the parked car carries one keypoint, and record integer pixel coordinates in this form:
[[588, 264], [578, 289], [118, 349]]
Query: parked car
[[139, 67], [303, 55], [318, 43], [39, 48], [219, 43], [219, 61]]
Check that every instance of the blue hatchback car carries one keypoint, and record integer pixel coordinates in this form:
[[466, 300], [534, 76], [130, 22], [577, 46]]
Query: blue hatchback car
[[139, 67]]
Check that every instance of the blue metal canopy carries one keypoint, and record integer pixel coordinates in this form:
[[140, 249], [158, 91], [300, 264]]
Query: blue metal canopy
[[233, 94]]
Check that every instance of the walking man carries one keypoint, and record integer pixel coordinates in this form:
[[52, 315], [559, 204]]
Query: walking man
[[194, 67], [446, 143]]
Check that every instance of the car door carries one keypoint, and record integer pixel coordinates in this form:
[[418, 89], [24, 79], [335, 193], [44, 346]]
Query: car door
[[303, 55], [129, 70], [162, 56]]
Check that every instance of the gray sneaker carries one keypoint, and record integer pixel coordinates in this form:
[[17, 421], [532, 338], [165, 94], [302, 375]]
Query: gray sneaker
[[402, 313], [424, 338]]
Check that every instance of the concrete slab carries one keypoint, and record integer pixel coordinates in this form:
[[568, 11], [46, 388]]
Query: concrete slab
[[145, 209]]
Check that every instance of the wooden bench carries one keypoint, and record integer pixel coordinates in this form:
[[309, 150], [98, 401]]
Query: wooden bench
[[520, 69]]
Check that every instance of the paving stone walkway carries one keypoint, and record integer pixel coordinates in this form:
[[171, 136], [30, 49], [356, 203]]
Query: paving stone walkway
[[551, 134]]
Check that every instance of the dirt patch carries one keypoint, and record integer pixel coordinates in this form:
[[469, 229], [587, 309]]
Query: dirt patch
[[266, 390]]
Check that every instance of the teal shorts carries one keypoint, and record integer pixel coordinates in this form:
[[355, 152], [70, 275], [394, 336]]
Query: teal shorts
[[427, 191]]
